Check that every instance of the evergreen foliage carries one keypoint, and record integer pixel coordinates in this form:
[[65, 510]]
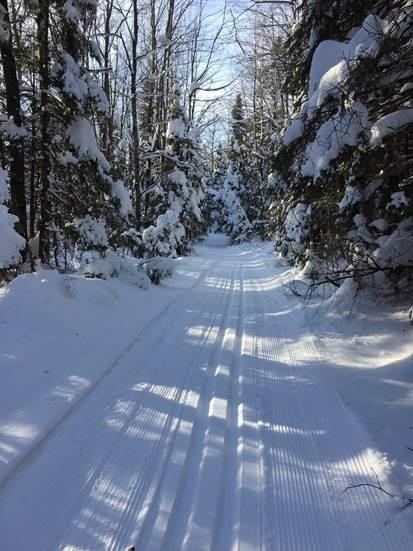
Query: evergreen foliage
[[342, 185]]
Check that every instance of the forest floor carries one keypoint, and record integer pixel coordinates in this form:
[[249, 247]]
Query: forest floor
[[217, 411]]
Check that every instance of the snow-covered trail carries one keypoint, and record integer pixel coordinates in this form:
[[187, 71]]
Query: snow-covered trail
[[216, 430]]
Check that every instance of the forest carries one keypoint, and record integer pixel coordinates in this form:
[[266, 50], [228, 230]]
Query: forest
[[206, 275], [127, 133]]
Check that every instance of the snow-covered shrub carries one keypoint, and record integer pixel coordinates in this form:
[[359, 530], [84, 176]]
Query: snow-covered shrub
[[92, 255], [112, 264], [93, 263], [131, 240], [297, 227], [92, 233], [132, 271], [159, 268], [166, 238]]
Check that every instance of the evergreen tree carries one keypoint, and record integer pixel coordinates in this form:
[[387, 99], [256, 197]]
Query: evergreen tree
[[95, 208], [238, 124], [12, 129], [215, 206], [181, 190], [242, 177], [236, 223]]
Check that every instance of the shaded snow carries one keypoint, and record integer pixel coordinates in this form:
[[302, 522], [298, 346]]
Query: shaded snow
[[176, 129], [81, 134], [340, 130], [293, 132], [390, 123]]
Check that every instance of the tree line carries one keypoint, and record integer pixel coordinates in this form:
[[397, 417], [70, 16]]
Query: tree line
[[102, 105]]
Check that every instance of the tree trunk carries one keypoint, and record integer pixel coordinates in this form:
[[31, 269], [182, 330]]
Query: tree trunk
[[107, 131], [135, 131], [44, 164], [33, 163]]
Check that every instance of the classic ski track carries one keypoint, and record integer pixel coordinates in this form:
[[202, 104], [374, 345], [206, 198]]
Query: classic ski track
[[294, 486], [180, 516], [220, 508], [163, 446], [148, 516], [347, 436], [38, 444], [145, 479], [247, 532]]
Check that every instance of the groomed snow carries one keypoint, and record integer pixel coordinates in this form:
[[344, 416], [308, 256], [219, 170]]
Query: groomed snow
[[212, 412]]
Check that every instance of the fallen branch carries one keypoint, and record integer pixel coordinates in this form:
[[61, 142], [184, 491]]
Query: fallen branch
[[378, 486]]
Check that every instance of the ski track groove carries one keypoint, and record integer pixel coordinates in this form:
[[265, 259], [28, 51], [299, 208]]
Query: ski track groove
[[180, 403], [303, 485], [249, 521], [229, 495], [144, 480]]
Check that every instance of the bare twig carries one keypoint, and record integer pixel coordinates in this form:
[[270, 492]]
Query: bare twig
[[378, 486]]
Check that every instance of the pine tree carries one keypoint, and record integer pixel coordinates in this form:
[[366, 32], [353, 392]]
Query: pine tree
[[12, 128], [238, 124], [242, 178], [236, 222]]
